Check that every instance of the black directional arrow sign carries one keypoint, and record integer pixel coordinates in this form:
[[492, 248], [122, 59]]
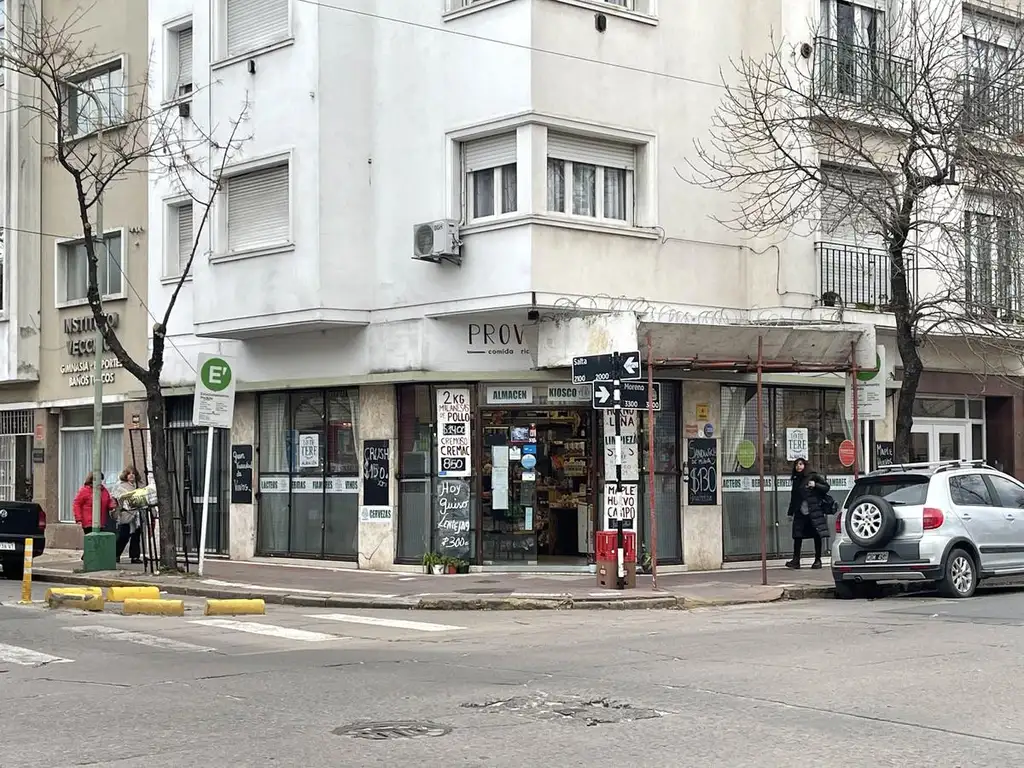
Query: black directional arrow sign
[[603, 368], [634, 395]]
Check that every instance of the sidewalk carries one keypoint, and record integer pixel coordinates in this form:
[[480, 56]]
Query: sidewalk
[[321, 584]]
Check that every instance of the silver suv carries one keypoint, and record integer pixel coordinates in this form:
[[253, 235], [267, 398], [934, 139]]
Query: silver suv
[[952, 524]]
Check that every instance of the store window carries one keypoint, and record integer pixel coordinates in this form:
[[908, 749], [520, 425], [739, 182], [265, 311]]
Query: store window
[[796, 421], [76, 432], [415, 470], [309, 473]]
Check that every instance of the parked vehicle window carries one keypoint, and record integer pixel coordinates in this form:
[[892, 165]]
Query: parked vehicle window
[[1010, 493], [896, 489], [970, 490]]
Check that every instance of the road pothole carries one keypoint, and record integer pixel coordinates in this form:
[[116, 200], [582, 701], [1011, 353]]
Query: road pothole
[[569, 708], [400, 729]]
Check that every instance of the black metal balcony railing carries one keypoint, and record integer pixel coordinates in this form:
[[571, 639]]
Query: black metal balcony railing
[[993, 107], [860, 74], [859, 277]]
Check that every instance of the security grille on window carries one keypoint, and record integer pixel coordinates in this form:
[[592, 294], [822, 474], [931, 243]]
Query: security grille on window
[[95, 101], [590, 178], [258, 213], [992, 280], [252, 24], [74, 263], [183, 81], [181, 219], [491, 176]]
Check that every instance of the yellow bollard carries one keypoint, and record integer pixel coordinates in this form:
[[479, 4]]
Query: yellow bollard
[[26, 577]]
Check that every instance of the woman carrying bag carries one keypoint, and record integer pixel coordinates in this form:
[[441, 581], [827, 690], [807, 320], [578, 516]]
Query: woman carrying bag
[[809, 507], [126, 515]]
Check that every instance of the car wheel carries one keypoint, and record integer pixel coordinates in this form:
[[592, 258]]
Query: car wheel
[[13, 567], [871, 522], [960, 577]]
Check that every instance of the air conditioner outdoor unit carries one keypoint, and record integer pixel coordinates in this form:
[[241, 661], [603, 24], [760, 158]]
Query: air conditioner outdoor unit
[[437, 242]]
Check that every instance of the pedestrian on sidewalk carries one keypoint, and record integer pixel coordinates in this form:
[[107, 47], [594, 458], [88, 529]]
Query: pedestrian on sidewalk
[[808, 509], [126, 516], [82, 505]]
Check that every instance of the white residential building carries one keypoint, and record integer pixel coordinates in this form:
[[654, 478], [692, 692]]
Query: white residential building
[[552, 139]]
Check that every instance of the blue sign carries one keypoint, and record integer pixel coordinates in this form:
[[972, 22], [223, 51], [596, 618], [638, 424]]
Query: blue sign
[[708, 430], [529, 461], [530, 448]]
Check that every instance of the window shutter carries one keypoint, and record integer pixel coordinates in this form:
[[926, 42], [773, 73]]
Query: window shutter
[[593, 151], [185, 236], [255, 23], [492, 152], [841, 215], [258, 212], [185, 57]]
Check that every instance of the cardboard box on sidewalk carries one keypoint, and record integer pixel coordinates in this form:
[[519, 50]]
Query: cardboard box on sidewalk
[[608, 574]]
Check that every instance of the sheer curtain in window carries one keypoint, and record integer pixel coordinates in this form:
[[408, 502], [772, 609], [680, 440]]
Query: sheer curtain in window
[[584, 189], [76, 463], [556, 185], [615, 193], [273, 454]]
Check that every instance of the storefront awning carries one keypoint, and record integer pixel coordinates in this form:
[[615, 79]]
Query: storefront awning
[[793, 347]]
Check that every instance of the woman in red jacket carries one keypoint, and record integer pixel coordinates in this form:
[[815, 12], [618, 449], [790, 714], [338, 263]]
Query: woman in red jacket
[[82, 505]]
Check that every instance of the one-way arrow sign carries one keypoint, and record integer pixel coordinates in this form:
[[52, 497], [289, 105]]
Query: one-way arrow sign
[[602, 367], [633, 395]]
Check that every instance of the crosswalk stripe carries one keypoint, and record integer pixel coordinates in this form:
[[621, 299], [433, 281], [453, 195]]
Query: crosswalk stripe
[[26, 657], [421, 626], [140, 638], [270, 630]]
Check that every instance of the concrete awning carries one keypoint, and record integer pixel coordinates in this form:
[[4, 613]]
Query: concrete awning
[[785, 347]]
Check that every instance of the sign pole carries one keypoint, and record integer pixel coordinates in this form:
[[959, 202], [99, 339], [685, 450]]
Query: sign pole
[[760, 462], [856, 406], [619, 537], [206, 499], [650, 465]]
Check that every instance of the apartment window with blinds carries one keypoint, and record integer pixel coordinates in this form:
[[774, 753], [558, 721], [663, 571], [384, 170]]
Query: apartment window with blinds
[[491, 176], [182, 87], [590, 178], [179, 247], [253, 24], [258, 209]]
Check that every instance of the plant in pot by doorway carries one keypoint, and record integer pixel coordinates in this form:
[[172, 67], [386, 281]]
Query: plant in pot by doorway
[[451, 565], [433, 563]]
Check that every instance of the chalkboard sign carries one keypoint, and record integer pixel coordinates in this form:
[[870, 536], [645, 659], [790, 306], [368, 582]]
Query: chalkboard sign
[[376, 473], [702, 466], [453, 518], [241, 474], [885, 453]]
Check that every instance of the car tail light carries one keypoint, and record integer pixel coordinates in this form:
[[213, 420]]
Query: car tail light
[[42, 519], [839, 521], [933, 518]]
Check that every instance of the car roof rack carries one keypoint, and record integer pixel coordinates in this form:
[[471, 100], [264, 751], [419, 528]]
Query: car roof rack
[[932, 467]]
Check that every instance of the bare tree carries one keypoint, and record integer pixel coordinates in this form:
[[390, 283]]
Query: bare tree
[[101, 134], [900, 136]]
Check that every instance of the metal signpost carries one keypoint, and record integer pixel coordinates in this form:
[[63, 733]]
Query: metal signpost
[[213, 408], [617, 369]]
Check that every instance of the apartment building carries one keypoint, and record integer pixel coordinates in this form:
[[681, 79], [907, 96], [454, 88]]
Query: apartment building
[[437, 206], [46, 341]]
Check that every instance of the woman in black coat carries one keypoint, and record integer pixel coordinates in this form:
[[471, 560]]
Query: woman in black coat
[[809, 511]]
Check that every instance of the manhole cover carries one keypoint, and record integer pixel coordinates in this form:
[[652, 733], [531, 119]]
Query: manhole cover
[[395, 730], [573, 709]]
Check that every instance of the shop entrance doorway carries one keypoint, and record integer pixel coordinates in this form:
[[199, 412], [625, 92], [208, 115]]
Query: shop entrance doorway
[[939, 442], [538, 481]]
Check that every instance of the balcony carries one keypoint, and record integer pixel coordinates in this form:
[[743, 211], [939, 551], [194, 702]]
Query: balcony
[[857, 277], [996, 108], [860, 75]]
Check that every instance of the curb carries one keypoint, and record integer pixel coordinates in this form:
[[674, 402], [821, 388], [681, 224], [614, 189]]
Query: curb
[[443, 602], [136, 607]]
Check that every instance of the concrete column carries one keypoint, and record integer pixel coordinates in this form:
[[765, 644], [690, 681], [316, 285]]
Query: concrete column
[[702, 526], [242, 519], [378, 534], [45, 482]]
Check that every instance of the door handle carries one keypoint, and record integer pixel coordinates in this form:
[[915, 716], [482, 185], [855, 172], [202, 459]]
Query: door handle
[[1010, 516], [965, 516]]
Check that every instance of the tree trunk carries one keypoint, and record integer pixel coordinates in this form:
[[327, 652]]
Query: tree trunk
[[912, 370], [162, 477]]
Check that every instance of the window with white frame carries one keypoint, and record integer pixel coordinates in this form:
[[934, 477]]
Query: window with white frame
[[181, 87], [491, 177], [590, 178], [258, 209], [253, 24], [640, 6], [992, 279], [180, 240], [73, 269], [95, 100]]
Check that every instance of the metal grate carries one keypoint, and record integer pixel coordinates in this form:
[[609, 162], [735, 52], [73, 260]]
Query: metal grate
[[16, 423], [858, 277]]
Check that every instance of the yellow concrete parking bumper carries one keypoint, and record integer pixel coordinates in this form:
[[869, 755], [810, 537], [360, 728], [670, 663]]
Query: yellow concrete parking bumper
[[255, 607], [81, 598], [120, 594], [142, 607]]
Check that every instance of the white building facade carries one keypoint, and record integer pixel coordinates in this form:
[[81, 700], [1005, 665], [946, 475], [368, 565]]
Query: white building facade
[[553, 137]]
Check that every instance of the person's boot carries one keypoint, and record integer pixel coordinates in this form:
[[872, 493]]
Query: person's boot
[[817, 563], [794, 563]]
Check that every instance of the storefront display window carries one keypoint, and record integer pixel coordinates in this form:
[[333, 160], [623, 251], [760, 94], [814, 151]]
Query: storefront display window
[[309, 473], [76, 430], [415, 470], [807, 422]]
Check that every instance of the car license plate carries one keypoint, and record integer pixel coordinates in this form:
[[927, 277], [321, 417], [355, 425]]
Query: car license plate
[[8, 546], [877, 557]]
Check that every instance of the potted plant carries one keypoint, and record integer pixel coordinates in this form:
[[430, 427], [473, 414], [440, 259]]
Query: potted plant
[[462, 566], [432, 563], [451, 565]]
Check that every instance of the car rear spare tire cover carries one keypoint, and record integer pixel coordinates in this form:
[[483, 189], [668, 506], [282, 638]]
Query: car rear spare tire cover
[[871, 522]]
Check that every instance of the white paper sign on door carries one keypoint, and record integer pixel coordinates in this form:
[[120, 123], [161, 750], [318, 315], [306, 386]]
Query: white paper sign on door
[[796, 443], [453, 436], [630, 446], [309, 450]]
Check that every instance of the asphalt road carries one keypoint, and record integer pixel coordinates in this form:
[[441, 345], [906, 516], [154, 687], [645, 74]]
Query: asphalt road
[[897, 682]]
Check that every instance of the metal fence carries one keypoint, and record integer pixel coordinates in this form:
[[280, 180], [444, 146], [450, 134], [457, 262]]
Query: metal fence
[[856, 276]]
